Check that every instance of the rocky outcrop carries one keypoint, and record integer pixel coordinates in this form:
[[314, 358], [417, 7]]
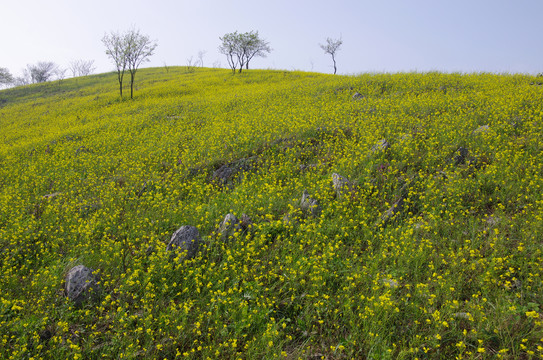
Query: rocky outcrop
[[309, 205], [232, 225], [341, 185], [481, 129], [81, 284], [358, 96], [185, 241], [381, 145]]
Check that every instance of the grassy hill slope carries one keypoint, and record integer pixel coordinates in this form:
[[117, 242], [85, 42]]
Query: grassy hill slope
[[454, 270]]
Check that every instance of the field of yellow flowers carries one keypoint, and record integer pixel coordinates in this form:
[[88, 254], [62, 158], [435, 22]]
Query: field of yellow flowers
[[422, 238]]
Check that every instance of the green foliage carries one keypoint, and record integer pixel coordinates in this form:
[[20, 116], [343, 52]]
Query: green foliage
[[86, 178]]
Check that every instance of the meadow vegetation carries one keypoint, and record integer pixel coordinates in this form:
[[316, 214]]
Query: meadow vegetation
[[89, 179]]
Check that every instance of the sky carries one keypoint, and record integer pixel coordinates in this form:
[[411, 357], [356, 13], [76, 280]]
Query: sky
[[500, 36]]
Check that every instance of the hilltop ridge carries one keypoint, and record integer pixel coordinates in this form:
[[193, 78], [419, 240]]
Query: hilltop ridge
[[402, 222]]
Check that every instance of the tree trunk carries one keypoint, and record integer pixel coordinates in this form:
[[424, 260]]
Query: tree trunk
[[132, 77], [334, 60], [120, 77]]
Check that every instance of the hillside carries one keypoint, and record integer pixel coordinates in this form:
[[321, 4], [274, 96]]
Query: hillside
[[403, 222]]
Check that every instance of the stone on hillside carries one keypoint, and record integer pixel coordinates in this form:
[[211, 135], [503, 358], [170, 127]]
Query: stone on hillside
[[52, 195], [381, 145], [246, 222], [81, 284], [223, 174], [461, 156], [406, 137], [481, 129], [307, 167], [187, 240], [391, 283], [230, 225], [492, 221], [358, 96], [462, 316], [395, 209], [309, 205], [226, 174], [341, 184]]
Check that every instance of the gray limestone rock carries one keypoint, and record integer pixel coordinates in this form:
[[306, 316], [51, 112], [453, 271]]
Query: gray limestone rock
[[461, 156], [381, 145], [395, 209], [81, 284], [309, 205], [481, 129], [230, 225], [358, 96], [391, 283], [341, 184], [223, 174], [187, 240]]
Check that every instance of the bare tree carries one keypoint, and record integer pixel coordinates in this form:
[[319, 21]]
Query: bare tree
[[241, 48], [116, 50], [201, 54], [331, 47], [230, 48], [252, 45], [191, 64], [128, 51], [81, 67], [40, 72], [138, 49], [6, 79], [60, 74]]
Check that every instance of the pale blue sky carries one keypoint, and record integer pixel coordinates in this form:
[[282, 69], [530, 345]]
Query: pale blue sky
[[378, 36]]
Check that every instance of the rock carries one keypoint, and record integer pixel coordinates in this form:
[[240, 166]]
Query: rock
[[391, 283], [381, 145], [150, 250], [462, 316], [358, 96], [230, 225], [396, 208], [82, 149], [246, 222], [81, 284], [309, 205], [187, 240], [461, 156], [287, 219], [492, 221], [51, 196], [223, 174], [307, 167], [481, 129], [340, 184], [226, 174]]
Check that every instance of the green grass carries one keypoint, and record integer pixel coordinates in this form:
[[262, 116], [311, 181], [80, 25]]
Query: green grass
[[89, 178]]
